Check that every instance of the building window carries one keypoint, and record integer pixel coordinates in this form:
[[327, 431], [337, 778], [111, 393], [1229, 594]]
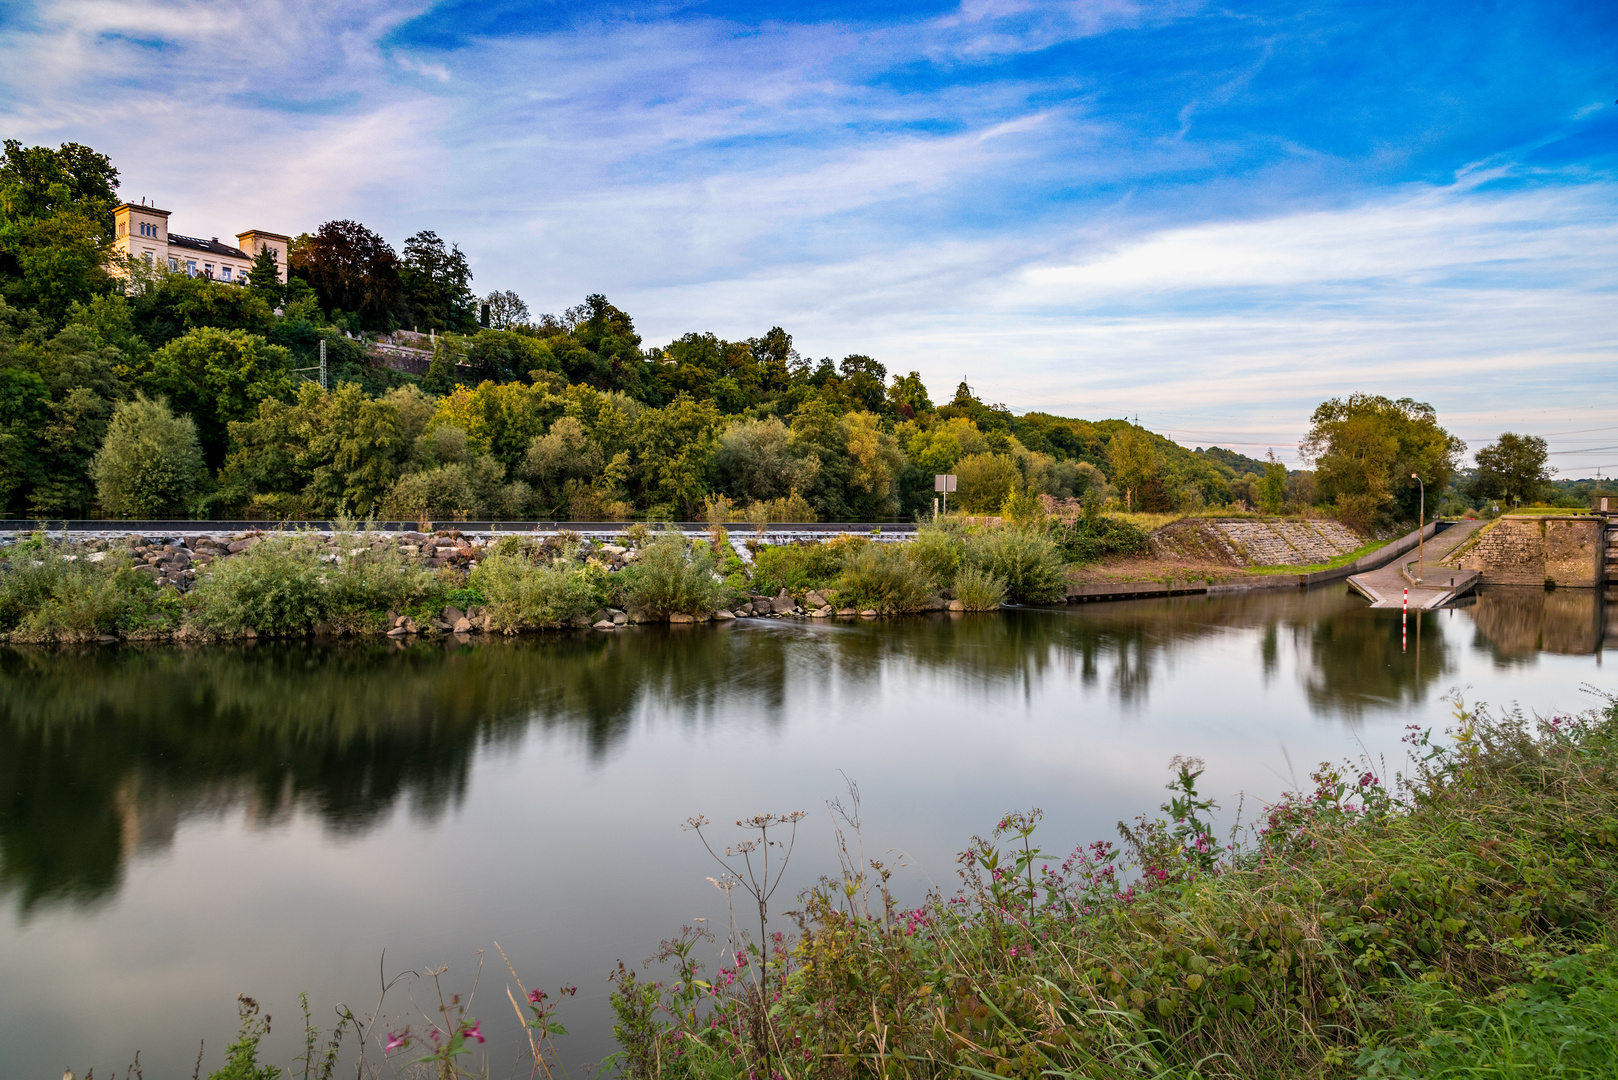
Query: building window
[[174, 264], [224, 272], [191, 267], [148, 258]]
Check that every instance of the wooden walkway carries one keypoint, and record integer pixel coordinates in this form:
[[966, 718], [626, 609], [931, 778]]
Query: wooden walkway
[[1431, 582]]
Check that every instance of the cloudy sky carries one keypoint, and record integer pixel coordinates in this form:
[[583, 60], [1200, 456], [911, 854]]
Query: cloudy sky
[[1211, 216]]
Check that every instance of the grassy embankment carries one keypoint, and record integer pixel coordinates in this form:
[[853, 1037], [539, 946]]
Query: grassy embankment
[[1454, 922]]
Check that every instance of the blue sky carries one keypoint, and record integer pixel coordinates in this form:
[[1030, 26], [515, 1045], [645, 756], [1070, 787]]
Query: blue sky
[[1209, 216]]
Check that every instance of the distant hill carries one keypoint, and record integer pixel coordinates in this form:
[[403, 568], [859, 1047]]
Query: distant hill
[[1229, 463]]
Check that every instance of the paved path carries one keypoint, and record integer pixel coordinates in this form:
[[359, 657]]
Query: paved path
[[1432, 582]]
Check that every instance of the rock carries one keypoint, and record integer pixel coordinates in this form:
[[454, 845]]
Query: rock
[[783, 604], [721, 615], [813, 599], [463, 625], [149, 570], [483, 622], [409, 625], [956, 605], [242, 545], [934, 604], [605, 624], [868, 613], [601, 617], [847, 611], [821, 612], [452, 615], [681, 617], [476, 611], [398, 631], [620, 618], [441, 626], [613, 550], [107, 638], [742, 613]]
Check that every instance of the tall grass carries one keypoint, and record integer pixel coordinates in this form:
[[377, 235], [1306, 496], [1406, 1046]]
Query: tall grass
[[276, 588], [979, 590], [1447, 924]]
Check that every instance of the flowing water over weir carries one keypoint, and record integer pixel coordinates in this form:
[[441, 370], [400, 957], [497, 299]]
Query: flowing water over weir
[[178, 826]]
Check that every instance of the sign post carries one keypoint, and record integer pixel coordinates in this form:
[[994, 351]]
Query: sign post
[[944, 483]]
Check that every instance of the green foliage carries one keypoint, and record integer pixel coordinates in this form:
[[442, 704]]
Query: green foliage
[[55, 226], [1514, 469], [217, 377], [1439, 927], [938, 550], [372, 576], [1025, 558], [796, 567], [241, 1057], [1366, 447], [882, 577], [1094, 535], [979, 590], [524, 595], [150, 465], [667, 578], [984, 482], [49, 595], [276, 588]]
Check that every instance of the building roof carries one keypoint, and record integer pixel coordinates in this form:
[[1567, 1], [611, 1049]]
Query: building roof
[[265, 233], [142, 208], [213, 247]]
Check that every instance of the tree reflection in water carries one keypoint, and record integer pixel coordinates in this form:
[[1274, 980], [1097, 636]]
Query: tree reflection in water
[[103, 752]]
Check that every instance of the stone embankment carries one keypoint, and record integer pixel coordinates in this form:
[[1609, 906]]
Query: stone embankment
[[1254, 542], [1561, 550]]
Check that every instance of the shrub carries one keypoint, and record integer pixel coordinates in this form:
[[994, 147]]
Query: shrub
[[795, 567], [275, 588], [979, 590], [524, 595], [48, 596], [669, 578], [984, 481], [1359, 512], [372, 576], [938, 549], [150, 464], [1093, 535], [882, 577], [1025, 558]]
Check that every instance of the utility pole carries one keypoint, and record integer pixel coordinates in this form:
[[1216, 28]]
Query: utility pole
[[323, 363]]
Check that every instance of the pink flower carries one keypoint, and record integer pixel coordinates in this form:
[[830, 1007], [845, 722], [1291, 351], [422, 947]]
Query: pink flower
[[396, 1040], [473, 1032], [536, 996]]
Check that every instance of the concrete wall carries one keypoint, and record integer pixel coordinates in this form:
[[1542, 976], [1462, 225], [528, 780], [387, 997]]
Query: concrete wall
[[1566, 549]]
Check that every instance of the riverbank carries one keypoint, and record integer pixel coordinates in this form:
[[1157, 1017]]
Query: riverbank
[[1452, 917]]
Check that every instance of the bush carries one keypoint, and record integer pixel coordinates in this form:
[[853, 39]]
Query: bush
[[1025, 558], [938, 549], [275, 588], [1093, 535], [149, 465], [979, 590], [668, 578], [881, 576], [48, 596], [1359, 512], [370, 577], [796, 567], [524, 595]]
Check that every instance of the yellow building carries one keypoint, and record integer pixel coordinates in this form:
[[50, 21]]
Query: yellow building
[[142, 232]]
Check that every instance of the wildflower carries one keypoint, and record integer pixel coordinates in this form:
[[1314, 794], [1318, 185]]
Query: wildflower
[[397, 1040], [473, 1032], [536, 996]]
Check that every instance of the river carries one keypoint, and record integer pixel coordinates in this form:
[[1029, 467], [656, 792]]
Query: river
[[180, 825]]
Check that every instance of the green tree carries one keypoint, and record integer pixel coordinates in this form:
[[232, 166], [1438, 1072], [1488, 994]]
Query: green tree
[[265, 276], [1137, 467], [1366, 447], [674, 451], [1514, 468], [150, 465], [1273, 486], [505, 310], [437, 284], [56, 227], [907, 397], [217, 376]]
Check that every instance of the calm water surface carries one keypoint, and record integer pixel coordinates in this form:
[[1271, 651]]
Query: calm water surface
[[178, 826]]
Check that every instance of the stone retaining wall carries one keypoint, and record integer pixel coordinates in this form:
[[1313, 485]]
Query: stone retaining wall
[[1247, 542], [1565, 550]]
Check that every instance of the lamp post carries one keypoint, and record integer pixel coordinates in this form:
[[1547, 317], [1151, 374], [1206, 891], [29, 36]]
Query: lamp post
[[1421, 529]]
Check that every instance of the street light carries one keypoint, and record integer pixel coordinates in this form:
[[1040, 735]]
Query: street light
[[1421, 532]]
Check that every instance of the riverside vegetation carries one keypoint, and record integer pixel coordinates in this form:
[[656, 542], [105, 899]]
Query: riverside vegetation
[[1452, 922], [357, 580]]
